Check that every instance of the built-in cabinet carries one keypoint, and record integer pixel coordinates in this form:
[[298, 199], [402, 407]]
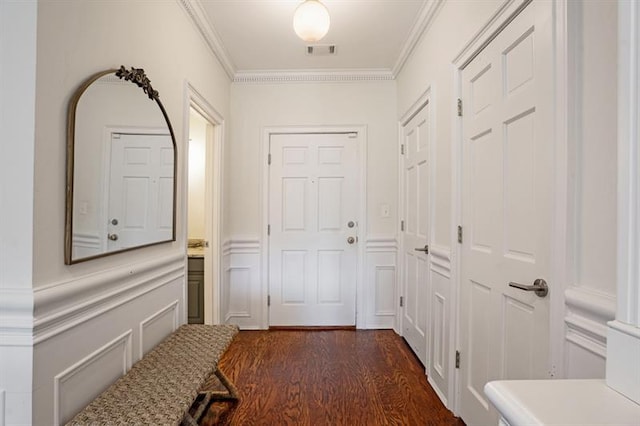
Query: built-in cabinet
[[195, 290]]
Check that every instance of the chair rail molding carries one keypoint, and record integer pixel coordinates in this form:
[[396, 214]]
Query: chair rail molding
[[64, 305], [440, 260], [586, 315], [16, 316]]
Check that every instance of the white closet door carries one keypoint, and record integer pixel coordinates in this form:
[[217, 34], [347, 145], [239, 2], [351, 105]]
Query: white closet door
[[506, 210], [415, 286]]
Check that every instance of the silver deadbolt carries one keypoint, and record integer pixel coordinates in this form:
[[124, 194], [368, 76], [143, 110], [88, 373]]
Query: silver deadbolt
[[539, 286], [113, 237], [114, 221], [351, 240], [351, 224]]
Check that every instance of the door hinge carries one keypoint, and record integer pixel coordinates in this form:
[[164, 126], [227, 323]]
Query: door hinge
[[402, 225], [269, 159], [460, 234], [402, 149], [268, 229], [459, 107], [401, 301], [457, 359], [269, 300]]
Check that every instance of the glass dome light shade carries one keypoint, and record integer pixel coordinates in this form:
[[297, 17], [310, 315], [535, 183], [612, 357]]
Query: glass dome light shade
[[311, 20]]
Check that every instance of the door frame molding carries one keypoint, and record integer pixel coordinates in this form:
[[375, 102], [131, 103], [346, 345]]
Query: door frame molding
[[361, 130], [561, 249], [213, 200]]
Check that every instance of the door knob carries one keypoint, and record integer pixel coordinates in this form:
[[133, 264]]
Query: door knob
[[539, 286], [424, 249], [113, 237], [351, 240]]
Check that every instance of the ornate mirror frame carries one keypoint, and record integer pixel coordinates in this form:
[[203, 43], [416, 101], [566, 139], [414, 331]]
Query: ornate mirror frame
[[138, 77]]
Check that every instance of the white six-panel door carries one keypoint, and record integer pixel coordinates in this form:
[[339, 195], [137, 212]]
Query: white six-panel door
[[313, 206], [506, 210], [415, 170], [140, 204]]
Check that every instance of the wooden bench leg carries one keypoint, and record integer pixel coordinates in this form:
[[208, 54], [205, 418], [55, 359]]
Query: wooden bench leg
[[212, 390], [232, 392]]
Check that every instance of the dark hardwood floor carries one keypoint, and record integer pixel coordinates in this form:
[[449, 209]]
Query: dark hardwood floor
[[336, 377]]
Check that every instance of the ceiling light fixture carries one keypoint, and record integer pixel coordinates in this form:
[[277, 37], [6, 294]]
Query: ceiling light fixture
[[311, 20]]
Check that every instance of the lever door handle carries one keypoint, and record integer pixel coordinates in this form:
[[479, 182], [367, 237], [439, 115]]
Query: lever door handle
[[424, 249], [539, 286]]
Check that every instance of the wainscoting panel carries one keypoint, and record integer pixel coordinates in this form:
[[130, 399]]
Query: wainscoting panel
[[79, 384], [439, 366], [241, 290], [381, 283], [88, 330], [587, 314], [156, 327]]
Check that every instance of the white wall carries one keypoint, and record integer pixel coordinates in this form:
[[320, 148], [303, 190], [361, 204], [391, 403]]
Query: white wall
[[17, 118], [90, 314], [591, 297], [430, 65], [255, 106]]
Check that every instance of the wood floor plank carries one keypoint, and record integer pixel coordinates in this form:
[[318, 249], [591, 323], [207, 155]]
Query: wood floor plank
[[330, 377]]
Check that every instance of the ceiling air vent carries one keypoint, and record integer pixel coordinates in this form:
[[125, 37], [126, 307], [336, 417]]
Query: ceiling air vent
[[321, 50]]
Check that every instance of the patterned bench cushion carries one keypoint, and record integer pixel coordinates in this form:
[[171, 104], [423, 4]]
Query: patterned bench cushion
[[160, 388]]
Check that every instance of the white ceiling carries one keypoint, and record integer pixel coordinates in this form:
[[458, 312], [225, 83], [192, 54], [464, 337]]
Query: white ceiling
[[258, 36]]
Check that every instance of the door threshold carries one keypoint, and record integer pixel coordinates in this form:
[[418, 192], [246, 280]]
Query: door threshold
[[311, 328]]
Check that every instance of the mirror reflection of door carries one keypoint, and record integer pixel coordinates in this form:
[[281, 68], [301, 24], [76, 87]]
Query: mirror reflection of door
[[140, 207], [199, 129]]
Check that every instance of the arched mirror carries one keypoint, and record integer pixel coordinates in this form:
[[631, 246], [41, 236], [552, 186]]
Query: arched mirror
[[121, 167]]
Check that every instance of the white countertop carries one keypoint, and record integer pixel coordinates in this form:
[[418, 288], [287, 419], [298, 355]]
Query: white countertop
[[561, 402]]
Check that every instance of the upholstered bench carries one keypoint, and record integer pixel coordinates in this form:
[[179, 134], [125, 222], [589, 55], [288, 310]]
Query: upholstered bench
[[161, 387]]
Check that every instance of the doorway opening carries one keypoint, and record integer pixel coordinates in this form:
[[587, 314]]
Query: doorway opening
[[202, 301]]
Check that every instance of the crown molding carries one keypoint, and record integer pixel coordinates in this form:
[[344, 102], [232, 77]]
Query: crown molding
[[198, 16], [195, 11], [304, 76], [426, 17]]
